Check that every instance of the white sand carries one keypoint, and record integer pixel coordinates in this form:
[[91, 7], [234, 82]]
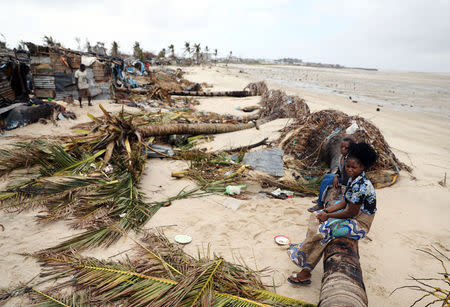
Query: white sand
[[412, 214]]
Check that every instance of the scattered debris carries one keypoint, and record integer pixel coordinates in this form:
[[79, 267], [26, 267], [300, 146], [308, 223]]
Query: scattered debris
[[232, 203], [269, 161], [234, 189], [443, 182]]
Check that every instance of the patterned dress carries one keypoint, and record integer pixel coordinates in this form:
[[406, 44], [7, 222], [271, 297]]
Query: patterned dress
[[359, 192]]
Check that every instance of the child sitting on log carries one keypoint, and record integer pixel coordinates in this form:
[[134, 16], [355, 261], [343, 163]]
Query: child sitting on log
[[350, 217], [336, 177]]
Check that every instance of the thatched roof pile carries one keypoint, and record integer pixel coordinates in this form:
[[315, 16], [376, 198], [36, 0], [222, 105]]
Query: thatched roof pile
[[277, 104], [309, 137]]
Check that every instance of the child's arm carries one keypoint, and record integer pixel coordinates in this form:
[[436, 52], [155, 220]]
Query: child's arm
[[340, 205], [350, 211]]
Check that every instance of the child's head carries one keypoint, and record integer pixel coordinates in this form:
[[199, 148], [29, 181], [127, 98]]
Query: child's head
[[361, 156], [345, 143], [82, 67]]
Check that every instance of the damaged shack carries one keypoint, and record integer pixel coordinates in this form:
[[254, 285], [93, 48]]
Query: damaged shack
[[53, 70]]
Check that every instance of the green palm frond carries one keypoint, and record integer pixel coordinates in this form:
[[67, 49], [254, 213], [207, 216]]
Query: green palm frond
[[269, 296], [78, 299], [120, 282], [21, 155], [225, 299]]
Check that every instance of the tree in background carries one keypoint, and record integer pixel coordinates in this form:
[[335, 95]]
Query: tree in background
[[3, 42], [215, 54], [162, 53], [21, 46], [187, 48], [197, 50], [114, 48], [88, 46], [50, 41], [78, 40], [172, 50], [100, 48], [138, 52]]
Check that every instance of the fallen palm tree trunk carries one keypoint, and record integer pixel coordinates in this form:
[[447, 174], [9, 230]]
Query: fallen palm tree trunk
[[168, 129], [213, 94], [342, 282]]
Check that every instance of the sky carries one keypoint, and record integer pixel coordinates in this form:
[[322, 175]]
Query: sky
[[411, 35]]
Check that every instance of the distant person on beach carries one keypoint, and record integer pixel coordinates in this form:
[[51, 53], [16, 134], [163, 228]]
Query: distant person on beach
[[336, 177], [82, 82], [350, 217]]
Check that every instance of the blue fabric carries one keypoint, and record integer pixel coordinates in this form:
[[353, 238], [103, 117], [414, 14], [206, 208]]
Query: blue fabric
[[335, 228], [326, 181]]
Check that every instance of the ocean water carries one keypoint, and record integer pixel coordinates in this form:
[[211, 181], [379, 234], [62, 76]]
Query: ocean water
[[407, 91]]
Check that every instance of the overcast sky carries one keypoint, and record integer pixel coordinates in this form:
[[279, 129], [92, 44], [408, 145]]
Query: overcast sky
[[409, 35]]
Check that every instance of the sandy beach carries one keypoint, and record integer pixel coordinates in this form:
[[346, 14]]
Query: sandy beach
[[414, 118]]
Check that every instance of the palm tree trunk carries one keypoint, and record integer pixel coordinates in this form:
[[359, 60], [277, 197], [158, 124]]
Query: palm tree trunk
[[342, 282], [194, 129]]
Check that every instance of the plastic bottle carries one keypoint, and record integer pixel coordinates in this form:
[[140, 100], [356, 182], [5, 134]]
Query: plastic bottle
[[234, 189]]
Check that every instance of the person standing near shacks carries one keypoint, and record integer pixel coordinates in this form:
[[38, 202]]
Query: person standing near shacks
[[82, 82]]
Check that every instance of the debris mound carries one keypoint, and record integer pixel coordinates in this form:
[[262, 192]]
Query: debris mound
[[257, 88], [277, 104], [312, 137]]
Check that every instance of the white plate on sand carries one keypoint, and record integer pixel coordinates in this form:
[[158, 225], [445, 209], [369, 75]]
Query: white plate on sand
[[282, 240], [183, 239]]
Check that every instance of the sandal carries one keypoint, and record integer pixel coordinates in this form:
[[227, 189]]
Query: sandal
[[315, 208], [297, 281]]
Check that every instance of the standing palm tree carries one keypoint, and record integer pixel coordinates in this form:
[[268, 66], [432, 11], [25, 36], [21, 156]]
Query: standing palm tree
[[88, 46], [187, 47], [137, 51], [172, 50], [162, 53], [114, 48], [197, 50], [21, 45], [50, 41], [78, 40]]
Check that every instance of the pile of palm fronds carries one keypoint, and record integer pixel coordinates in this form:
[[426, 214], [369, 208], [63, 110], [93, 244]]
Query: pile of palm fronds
[[159, 274], [277, 104], [307, 138], [257, 88], [94, 179]]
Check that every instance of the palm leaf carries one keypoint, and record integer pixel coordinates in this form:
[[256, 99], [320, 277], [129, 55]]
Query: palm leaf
[[225, 299], [77, 299], [265, 295]]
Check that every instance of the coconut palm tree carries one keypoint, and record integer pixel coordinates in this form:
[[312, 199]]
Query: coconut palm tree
[[137, 51], [100, 48], [50, 41], [78, 40], [114, 48], [88, 46], [21, 45], [197, 50], [172, 50], [187, 48], [162, 53]]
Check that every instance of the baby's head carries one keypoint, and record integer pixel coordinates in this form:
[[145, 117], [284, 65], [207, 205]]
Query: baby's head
[[345, 143], [361, 156]]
